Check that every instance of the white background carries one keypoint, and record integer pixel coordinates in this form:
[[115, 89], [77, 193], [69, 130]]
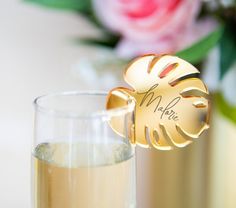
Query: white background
[[36, 54]]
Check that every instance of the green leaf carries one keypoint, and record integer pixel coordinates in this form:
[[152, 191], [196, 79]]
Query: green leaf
[[199, 50], [227, 48], [83, 6], [227, 110], [110, 40]]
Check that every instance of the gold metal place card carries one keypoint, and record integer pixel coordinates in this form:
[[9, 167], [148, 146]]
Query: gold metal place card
[[171, 102]]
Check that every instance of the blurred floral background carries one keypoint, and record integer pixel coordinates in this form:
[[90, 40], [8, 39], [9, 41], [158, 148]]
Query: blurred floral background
[[201, 32], [90, 42]]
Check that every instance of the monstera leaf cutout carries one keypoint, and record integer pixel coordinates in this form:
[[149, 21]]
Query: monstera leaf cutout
[[171, 103]]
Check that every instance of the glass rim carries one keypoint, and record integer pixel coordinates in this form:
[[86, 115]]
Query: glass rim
[[70, 114]]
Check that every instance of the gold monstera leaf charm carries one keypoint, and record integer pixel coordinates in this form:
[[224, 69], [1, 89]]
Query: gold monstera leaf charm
[[171, 102]]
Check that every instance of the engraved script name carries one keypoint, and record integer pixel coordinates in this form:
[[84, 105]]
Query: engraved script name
[[166, 111]]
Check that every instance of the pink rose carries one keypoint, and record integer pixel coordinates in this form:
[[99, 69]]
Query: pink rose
[[152, 26]]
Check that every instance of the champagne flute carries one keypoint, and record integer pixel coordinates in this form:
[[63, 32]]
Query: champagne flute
[[78, 161]]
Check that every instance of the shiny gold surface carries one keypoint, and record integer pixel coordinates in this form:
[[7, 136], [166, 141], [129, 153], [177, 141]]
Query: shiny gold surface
[[172, 104]]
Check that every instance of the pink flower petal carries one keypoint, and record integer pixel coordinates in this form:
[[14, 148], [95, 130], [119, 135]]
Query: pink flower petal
[[195, 32]]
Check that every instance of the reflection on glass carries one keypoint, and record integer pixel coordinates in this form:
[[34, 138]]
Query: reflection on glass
[[78, 161]]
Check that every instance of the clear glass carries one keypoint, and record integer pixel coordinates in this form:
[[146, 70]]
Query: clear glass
[[78, 161]]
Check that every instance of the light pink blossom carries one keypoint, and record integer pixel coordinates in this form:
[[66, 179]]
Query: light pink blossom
[[152, 26]]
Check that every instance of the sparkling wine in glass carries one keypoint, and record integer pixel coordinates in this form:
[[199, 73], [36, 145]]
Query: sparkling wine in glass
[[78, 161]]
